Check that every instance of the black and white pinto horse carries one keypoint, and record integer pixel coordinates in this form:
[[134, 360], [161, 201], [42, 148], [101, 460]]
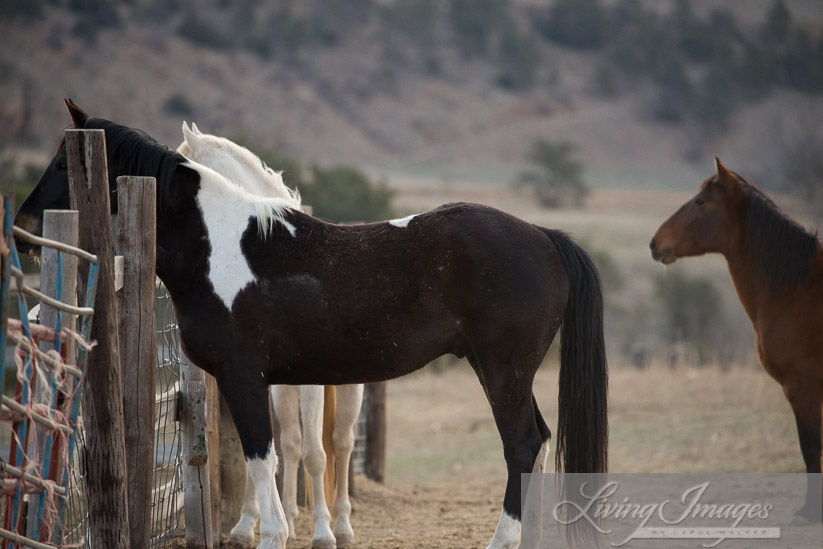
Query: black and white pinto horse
[[269, 295], [292, 405]]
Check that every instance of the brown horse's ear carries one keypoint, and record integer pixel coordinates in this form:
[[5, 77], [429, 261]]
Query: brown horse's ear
[[723, 173], [78, 115]]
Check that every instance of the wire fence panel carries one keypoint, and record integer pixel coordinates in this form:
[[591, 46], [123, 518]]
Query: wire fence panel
[[167, 495]]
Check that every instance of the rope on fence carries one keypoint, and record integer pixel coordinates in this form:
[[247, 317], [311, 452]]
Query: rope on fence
[[39, 466]]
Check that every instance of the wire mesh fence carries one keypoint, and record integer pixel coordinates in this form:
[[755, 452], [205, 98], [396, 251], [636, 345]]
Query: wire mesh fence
[[358, 454], [167, 495]]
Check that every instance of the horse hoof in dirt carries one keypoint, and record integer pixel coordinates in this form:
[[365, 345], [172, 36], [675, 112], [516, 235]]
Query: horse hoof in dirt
[[344, 540], [240, 542], [324, 543]]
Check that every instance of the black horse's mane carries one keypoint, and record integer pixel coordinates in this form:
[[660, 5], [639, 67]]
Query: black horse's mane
[[782, 248], [137, 153]]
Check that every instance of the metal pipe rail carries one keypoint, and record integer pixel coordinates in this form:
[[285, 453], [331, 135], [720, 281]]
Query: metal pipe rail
[[24, 411], [43, 298], [50, 360], [40, 241], [24, 541], [18, 473]]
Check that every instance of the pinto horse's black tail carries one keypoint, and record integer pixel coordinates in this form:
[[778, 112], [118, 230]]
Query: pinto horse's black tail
[[582, 424]]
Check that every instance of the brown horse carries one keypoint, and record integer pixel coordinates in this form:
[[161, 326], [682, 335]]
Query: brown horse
[[777, 269]]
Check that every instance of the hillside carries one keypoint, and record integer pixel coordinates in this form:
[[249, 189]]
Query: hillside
[[376, 95]]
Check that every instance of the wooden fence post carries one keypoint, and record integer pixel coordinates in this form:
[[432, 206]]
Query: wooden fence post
[[59, 225], [196, 474], [376, 431], [105, 440], [213, 437], [136, 242]]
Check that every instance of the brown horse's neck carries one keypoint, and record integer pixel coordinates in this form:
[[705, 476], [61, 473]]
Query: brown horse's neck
[[751, 290]]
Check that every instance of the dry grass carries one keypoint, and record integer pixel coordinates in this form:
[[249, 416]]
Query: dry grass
[[662, 421]]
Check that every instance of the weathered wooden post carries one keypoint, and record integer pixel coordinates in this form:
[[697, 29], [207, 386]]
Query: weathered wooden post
[[196, 474], [376, 431], [59, 225], [213, 437], [105, 440], [136, 242]]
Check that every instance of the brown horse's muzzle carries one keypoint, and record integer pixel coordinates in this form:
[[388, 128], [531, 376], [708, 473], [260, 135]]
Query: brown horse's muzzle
[[663, 254]]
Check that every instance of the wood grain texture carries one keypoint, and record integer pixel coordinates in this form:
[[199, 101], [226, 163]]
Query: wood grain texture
[[196, 474], [136, 243], [105, 439], [376, 431], [59, 225]]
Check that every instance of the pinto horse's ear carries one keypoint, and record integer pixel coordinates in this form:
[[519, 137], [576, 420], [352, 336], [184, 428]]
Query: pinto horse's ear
[[78, 115], [195, 129]]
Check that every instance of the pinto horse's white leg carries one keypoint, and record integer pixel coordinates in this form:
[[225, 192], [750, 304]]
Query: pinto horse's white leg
[[286, 400], [243, 532], [349, 401], [314, 459], [273, 528]]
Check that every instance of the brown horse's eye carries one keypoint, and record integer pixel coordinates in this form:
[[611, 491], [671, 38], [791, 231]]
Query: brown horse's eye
[[699, 201]]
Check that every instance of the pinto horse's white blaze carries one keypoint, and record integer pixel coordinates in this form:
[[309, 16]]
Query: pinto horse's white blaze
[[403, 222], [226, 210], [273, 528]]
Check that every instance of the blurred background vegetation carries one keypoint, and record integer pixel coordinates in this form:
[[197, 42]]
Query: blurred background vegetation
[[368, 106]]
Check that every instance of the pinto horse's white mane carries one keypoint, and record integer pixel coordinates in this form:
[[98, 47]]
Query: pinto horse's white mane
[[238, 164]]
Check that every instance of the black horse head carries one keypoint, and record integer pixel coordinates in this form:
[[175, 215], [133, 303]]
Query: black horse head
[[52, 190], [129, 151]]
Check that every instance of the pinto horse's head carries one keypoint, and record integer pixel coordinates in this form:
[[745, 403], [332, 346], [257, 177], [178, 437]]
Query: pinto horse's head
[[707, 223], [52, 190]]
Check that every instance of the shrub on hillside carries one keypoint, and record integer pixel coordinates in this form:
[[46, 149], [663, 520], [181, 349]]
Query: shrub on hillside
[[473, 22], [339, 194], [201, 32], [345, 194], [556, 177], [518, 59], [579, 24], [178, 104], [692, 311]]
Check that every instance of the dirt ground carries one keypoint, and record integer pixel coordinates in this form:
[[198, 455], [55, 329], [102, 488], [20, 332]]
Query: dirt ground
[[445, 470]]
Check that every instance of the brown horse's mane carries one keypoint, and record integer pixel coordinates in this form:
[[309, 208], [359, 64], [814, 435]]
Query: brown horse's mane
[[783, 249]]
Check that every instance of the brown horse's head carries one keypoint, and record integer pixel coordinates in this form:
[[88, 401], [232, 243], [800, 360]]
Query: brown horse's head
[[707, 223]]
